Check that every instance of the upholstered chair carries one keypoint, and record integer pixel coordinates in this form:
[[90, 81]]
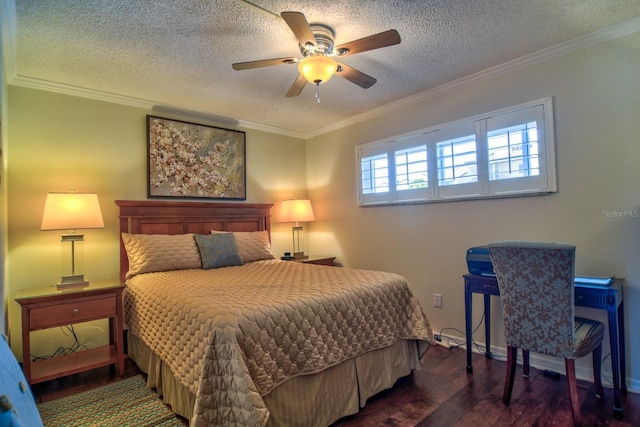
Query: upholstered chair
[[537, 292]]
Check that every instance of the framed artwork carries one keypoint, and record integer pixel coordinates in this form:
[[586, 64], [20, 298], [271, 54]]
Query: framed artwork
[[190, 160]]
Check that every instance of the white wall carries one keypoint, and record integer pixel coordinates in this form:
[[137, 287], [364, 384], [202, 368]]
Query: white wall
[[596, 95]]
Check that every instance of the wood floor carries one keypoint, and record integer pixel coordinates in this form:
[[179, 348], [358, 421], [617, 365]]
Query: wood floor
[[441, 393]]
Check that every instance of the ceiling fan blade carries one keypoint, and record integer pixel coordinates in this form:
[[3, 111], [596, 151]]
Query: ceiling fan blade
[[262, 63], [376, 41], [297, 86], [300, 27], [354, 76]]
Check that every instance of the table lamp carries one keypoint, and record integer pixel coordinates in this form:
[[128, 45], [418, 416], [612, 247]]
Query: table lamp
[[297, 211], [71, 211]]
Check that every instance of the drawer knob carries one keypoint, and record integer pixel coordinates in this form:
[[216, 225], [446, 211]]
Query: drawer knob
[[76, 311]]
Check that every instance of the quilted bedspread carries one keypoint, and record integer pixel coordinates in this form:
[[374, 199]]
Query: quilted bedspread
[[230, 335]]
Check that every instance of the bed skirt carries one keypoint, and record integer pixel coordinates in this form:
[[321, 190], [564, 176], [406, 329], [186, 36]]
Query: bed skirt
[[308, 400]]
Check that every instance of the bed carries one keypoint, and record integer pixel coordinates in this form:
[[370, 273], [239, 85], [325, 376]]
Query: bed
[[230, 335]]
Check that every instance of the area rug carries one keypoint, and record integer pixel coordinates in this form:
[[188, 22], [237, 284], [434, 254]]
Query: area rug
[[124, 403]]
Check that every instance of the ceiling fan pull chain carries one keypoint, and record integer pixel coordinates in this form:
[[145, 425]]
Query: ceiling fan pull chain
[[318, 92]]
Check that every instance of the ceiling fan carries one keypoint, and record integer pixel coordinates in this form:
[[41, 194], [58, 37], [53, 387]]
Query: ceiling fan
[[317, 47]]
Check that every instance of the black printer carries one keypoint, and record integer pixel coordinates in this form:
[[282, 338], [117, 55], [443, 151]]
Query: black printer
[[479, 261], [479, 264]]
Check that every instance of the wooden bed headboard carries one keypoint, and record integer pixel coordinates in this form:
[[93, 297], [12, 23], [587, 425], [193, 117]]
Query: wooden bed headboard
[[168, 217]]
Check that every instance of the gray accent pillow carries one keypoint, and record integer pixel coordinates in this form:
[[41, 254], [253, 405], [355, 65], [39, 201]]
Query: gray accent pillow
[[218, 250]]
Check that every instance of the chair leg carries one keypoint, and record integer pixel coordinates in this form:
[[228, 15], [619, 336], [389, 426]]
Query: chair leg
[[525, 362], [597, 371], [570, 368], [512, 357]]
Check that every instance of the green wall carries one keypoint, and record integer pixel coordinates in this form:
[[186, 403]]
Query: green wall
[[3, 219], [58, 142]]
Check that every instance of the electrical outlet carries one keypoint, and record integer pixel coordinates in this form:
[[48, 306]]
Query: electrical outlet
[[437, 300]]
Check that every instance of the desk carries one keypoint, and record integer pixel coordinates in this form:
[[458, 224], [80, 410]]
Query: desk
[[604, 298]]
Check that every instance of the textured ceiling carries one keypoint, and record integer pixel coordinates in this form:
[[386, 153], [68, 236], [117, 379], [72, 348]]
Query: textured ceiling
[[179, 53]]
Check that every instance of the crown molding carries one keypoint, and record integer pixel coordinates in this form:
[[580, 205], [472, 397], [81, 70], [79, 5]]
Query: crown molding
[[64, 89], [603, 35], [609, 33]]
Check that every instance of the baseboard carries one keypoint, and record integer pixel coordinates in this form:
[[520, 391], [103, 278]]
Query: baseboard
[[542, 362]]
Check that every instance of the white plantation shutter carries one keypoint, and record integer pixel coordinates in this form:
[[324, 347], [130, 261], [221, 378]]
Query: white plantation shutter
[[509, 152]]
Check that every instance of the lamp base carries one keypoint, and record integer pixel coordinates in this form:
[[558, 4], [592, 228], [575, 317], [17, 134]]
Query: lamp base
[[300, 255], [72, 285], [71, 282]]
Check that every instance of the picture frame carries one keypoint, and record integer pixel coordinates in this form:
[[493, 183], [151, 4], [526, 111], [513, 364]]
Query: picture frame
[[190, 160]]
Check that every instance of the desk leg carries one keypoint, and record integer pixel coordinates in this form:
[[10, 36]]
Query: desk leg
[[615, 360], [467, 325], [621, 342], [487, 325]]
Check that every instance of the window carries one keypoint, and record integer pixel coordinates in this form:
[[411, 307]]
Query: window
[[375, 174], [457, 163], [513, 152], [411, 168], [503, 153]]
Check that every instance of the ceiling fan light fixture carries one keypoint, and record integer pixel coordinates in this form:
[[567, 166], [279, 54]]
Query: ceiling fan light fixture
[[317, 69], [316, 44]]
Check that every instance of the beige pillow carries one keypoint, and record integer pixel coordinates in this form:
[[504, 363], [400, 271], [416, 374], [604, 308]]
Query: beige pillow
[[160, 252], [252, 245]]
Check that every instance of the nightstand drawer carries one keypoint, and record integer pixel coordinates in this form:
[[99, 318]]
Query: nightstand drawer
[[72, 312]]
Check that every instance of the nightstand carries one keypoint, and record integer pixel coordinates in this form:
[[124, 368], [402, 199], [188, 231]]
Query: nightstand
[[318, 259], [50, 307]]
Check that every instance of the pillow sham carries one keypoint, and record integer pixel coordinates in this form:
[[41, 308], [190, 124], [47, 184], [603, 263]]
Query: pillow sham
[[252, 245], [218, 250], [160, 252]]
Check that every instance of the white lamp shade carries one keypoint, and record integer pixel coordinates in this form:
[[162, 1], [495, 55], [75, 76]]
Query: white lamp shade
[[317, 69], [296, 211], [70, 211]]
